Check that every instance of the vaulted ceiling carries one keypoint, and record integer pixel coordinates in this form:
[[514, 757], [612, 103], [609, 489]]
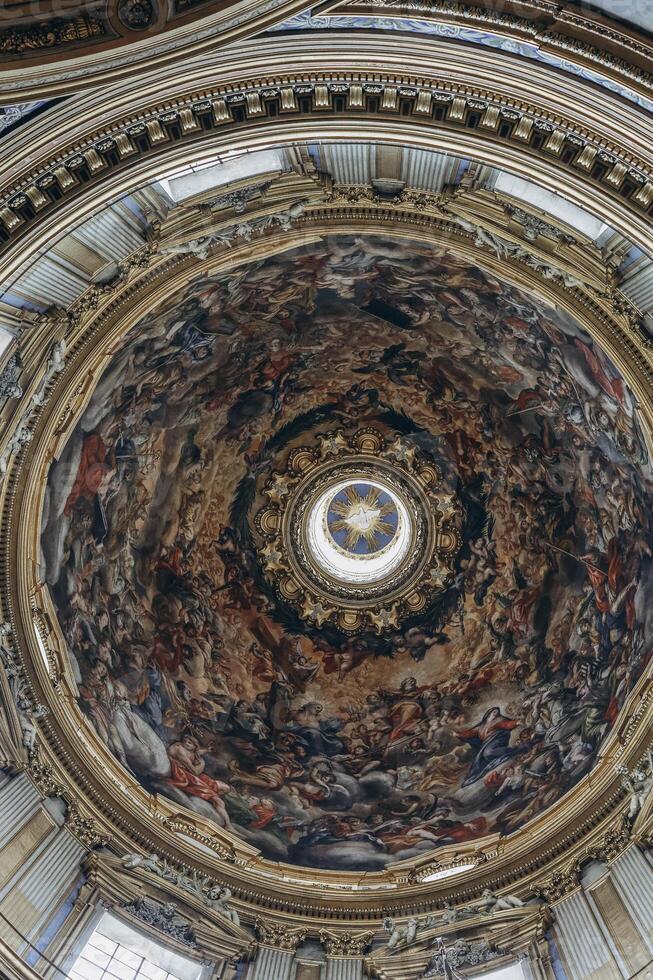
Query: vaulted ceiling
[[325, 398]]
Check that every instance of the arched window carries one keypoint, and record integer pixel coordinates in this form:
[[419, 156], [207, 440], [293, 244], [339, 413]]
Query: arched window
[[115, 951]]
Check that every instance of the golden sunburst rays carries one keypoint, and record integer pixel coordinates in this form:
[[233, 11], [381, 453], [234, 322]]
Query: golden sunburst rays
[[363, 517]]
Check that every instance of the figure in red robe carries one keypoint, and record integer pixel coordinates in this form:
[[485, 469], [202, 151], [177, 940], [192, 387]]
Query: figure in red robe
[[93, 467]]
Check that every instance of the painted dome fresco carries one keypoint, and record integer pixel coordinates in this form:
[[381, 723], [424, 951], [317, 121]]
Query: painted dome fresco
[[352, 550]]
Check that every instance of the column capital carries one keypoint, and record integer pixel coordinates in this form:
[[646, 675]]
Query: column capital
[[278, 936], [347, 944], [561, 883]]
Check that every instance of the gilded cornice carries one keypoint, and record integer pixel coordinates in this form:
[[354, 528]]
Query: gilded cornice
[[577, 145], [110, 797]]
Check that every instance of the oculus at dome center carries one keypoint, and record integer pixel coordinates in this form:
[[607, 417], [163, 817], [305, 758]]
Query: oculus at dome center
[[359, 530]]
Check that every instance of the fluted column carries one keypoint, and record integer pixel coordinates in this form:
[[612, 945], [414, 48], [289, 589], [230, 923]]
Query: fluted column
[[19, 800], [276, 952], [581, 943], [345, 953], [341, 968], [633, 876], [273, 964], [39, 889], [26, 826]]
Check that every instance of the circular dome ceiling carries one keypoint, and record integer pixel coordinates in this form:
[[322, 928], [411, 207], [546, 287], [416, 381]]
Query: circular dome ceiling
[[351, 549]]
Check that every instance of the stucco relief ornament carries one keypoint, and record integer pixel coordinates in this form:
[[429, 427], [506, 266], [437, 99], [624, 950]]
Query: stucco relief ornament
[[560, 883], [181, 825], [22, 435], [214, 896], [76, 820], [451, 915], [359, 531], [491, 902], [218, 898], [612, 843], [9, 379], [238, 200], [152, 863], [202, 246], [164, 918], [136, 14], [29, 711], [461, 953], [83, 827], [56, 364]]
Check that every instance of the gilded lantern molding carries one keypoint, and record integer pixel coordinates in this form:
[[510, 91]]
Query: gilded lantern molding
[[431, 515]]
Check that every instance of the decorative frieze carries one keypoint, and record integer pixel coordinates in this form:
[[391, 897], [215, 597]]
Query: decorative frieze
[[163, 917], [59, 32]]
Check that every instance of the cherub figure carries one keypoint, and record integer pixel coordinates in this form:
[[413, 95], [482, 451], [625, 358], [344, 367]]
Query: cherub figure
[[403, 936], [450, 914], [638, 783], [148, 862], [400, 936], [491, 902], [218, 898]]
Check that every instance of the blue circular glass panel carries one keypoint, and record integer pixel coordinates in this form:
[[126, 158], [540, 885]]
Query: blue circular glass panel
[[362, 519]]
